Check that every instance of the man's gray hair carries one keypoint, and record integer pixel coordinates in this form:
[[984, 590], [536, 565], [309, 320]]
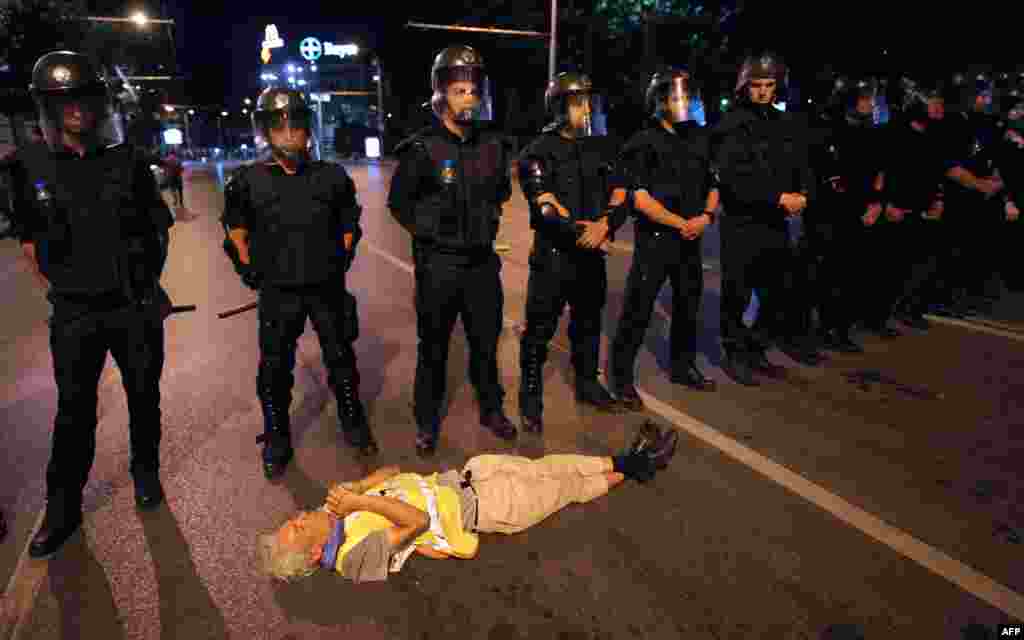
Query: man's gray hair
[[283, 564]]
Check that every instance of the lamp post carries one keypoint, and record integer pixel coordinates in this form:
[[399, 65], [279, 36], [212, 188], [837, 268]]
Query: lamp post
[[220, 123], [188, 131], [380, 101]]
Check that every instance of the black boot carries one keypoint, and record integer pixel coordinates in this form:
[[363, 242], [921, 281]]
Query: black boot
[[840, 341], [61, 521], [149, 493], [592, 392], [276, 439], [759, 362], [427, 435], [352, 418], [736, 366], [531, 390], [801, 351], [657, 445], [499, 424], [628, 397], [689, 375]]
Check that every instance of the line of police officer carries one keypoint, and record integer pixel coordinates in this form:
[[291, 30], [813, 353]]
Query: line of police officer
[[94, 230]]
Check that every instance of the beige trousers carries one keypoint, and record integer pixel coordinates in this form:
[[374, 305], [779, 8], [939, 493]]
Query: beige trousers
[[516, 493]]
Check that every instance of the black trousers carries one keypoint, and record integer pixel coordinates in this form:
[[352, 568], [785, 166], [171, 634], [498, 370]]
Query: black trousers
[[754, 257], [922, 243], [83, 329], [282, 317], [449, 286], [573, 277], [969, 261], [658, 257]]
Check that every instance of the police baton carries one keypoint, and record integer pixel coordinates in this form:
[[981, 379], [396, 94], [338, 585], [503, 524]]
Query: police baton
[[234, 312], [183, 308]]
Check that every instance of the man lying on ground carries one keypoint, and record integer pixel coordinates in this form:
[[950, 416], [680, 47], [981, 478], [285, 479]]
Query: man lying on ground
[[369, 528]]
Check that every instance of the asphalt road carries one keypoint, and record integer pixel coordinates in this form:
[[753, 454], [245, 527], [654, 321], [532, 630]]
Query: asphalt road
[[892, 503]]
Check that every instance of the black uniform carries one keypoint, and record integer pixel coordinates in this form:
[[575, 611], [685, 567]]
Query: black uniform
[[914, 171], [296, 225], [972, 219], [1011, 168], [580, 174], [760, 153], [447, 192], [675, 169], [100, 229], [857, 259]]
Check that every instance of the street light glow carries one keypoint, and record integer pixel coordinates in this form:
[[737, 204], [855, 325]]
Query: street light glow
[[140, 18], [312, 67], [302, 83], [291, 68], [224, 113], [191, 112], [168, 108], [376, 78], [245, 111], [248, 101]]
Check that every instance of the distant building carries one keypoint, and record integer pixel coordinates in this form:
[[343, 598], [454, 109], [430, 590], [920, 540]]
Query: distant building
[[339, 77]]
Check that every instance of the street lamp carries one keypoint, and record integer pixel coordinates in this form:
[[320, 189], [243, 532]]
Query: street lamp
[[248, 101], [168, 108], [140, 18], [224, 113], [245, 111]]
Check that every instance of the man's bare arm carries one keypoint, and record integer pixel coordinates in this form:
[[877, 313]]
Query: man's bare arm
[[409, 521], [365, 484], [655, 212]]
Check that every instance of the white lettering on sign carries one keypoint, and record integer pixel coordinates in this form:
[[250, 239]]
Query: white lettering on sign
[[271, 38], [1011, 632], [340, 50]]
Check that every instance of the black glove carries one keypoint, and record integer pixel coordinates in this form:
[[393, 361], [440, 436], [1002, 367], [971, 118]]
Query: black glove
[[251, 277]]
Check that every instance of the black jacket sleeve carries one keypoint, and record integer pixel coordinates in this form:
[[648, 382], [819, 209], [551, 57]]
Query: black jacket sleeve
[[24, 218], [413, 166], [237, 201], [346, 203]]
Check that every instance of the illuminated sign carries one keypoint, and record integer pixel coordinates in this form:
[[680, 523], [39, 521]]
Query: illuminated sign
[[312, 48], [172, 136], [271, 39]]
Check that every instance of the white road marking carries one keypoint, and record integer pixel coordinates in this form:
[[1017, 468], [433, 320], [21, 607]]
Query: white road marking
[[981, 326], [979, 585]]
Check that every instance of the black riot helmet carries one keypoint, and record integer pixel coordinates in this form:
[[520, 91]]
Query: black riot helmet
[[671, 96], [460, 64], [62, 78], [916, 98], [573, 105], [280, 108], [761, 67], [847, 95], [966, 90]]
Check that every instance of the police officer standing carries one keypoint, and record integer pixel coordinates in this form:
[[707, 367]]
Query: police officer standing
[[856, 241], [95, 231], [914, 173], [447, 191], [676, 195], [975, 203], [566, 177], [762, 158], [292, 224]]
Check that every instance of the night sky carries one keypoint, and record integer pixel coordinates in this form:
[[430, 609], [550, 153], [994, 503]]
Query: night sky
[[219, 40]]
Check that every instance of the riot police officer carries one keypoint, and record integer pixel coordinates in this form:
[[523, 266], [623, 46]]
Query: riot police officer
[[857, 248], [447, 191], [975, 206], [566, 177], [676, 195], [95, 231], [913, 190], [761, 154], [292, 224]]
